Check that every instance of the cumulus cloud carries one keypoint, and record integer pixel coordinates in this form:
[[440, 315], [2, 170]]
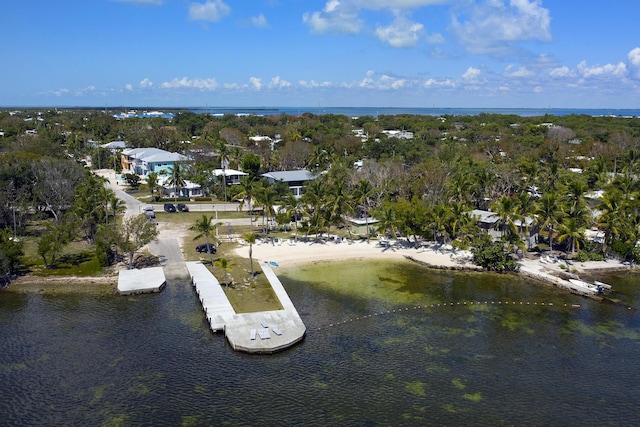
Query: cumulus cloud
[[187, 83], [256, 83], [382, 82], [211, 11], [259, 21], [617, 70], [401, 33], [146, 83], [278, 83], [563, 71], [336, 17], [471, 74], [634, 61], [492, 27], [128, 86], [431, 83], [314, 84], [518, 72]]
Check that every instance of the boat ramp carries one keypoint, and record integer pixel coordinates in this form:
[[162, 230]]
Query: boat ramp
[[259, 332]]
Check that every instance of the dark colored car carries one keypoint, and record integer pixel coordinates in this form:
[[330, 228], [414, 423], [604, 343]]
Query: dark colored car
[[182, 207], [206, 248], [169, 207]]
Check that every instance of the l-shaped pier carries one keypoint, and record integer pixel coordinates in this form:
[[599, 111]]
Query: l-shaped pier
[[258, 332]]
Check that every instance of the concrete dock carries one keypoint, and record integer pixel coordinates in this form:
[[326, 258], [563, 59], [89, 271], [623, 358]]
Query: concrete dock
[[258, 332], [141, 281]]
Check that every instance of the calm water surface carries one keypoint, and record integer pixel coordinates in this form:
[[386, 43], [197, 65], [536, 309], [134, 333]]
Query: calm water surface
[[370, 356]]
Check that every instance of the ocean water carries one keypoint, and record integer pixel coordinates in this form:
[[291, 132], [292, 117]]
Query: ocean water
[[434, 111], [388, 344]]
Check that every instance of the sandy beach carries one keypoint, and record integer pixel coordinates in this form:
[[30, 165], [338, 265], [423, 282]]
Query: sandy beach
[[287, 253]]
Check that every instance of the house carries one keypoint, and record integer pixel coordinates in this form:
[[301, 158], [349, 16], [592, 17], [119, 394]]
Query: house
[[488, 221], [188, 190], [232, 176], [114, 145], [294, 179], [143, 161]]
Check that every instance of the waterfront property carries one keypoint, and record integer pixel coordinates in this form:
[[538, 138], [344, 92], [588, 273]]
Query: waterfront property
[[258, 332]]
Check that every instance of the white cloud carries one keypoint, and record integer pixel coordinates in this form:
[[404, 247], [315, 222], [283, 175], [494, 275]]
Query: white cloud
[[212, 11], [471, 74], [314, 84], [401, 33], [278, 83], [563, 71], [187, 83], [617, 70], [430, 83], [128, 86], [259, 21], [146, 83], [492, 27], [256, 83], [336, 17], [634, 61], [382, 82], [512, 71]]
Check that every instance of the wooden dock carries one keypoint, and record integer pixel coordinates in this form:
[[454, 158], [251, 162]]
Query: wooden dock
[[258, 332]]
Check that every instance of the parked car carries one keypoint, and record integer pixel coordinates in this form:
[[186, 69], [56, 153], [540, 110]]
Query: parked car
[[182, 207], [169, 207], [149, 213], [206, 248]]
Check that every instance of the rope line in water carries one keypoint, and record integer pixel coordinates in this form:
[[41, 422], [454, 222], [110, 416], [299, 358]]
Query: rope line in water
[[451, 304]]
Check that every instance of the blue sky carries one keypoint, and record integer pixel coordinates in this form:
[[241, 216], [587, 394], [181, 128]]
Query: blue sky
[[340, 53]]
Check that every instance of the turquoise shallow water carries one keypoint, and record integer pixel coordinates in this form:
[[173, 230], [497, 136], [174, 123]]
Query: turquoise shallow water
[[150, 360]]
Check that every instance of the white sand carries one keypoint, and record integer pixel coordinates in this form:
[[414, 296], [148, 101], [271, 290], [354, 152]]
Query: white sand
[[287, 254]]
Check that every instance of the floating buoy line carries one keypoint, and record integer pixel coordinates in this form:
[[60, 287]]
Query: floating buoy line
[[442, 305]]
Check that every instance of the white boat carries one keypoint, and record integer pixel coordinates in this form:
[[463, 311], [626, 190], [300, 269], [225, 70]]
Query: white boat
[[589, 287], [604, 285]]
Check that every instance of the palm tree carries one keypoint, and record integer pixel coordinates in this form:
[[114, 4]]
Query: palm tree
[[225, 265], [388, 220], [294, 208], [251, 238], [362, 198], [571, 229], [248, 188], [152, 183], [506, 210], [205, 227], [176, 178], [611, 215], [549, 213], [223, 155], [266, 197], [116, 206]]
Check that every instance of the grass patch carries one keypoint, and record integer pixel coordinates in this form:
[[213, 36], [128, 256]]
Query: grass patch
[[246, 295]]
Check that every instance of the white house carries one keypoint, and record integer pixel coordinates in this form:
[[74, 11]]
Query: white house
[[231, 176]]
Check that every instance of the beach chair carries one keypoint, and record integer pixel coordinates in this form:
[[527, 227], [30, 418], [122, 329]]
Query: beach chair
[[276, 330], [253, 334]]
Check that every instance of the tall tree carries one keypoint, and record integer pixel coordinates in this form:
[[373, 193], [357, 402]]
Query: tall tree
[[152, 183], [205, 228], [137, 231], [251, 238], [176, 178]]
